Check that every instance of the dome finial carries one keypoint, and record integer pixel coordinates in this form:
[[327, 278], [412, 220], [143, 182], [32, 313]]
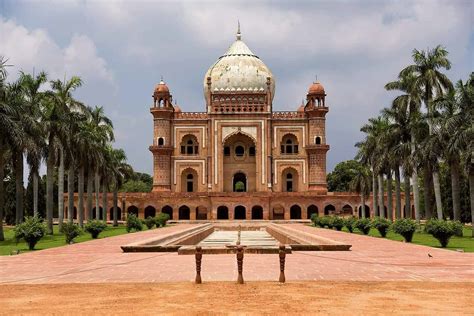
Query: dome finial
[[239, 36]]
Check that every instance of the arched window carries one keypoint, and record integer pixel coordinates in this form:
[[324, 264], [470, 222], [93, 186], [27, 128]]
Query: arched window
[[161, 141], [289, 144], [289, 180], [189, 145], [239, 151], [318, 140], [190, 183]]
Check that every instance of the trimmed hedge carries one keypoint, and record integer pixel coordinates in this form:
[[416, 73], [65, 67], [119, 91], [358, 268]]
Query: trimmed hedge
[[405, 227], [31, 231], [95, 227], [382, 225], [443, 230]]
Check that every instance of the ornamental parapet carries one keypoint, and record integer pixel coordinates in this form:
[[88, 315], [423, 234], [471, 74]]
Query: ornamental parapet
[[317, 148], [191, 115], [288, 115]]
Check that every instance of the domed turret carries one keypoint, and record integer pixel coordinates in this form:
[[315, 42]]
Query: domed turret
[[316, 96], [161, 95], [316, 88]]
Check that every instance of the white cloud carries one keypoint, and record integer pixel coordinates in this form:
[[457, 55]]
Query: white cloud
[[35, 49]]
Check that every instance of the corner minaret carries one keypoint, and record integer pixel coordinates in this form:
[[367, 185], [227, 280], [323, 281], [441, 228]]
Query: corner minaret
[[162, 148], [317, 148]]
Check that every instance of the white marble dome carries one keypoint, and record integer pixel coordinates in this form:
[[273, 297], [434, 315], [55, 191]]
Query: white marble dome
[[239, 70]]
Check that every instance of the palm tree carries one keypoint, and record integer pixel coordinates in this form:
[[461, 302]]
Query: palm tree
[[431, 83], [409, 103], [59, 103], [35, 151], [361, 184], [103, 133], [398, 150], [375, 130], [119, 169], [9, 132]]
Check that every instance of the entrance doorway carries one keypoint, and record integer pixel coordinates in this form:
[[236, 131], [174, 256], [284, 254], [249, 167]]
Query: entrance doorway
[[239, 182]]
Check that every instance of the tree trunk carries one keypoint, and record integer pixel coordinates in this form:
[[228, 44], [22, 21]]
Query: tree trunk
[[456, 190], [115, 198], [406, 180], [61, 188], [90, 180], [80, 193], [471, 195], [398, 199], [389, 196], [381, 202], [70, 193], [97, 192], [374, 193], [362, 207], [2, 192], [427, 191], [19, 191], [35, 193], [104, 201], [414, 180], [437, 191], [49, 187]]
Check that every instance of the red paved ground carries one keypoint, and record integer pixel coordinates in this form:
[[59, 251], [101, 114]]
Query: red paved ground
[[371, 259]]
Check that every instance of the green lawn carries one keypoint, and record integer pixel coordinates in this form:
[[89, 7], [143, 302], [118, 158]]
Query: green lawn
[[48, 241], [421, 238]]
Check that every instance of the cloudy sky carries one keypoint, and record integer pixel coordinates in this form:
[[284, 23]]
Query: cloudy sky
[[122, 48]]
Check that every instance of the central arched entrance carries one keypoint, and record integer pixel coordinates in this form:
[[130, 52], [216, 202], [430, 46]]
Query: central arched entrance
[[239, 163], [239, 182]]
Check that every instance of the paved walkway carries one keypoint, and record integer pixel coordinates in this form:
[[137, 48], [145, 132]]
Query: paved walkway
[[371, 259]]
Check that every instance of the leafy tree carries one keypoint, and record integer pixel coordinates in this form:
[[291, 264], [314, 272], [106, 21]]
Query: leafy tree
[[340, 178], [135, 186]]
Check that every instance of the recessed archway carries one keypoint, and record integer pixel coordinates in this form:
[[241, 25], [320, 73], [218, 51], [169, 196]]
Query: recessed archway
[[295, 212], [167, 210], [312, 209], [119, 213], [94, 213], [257, 212], [367, 211], [329, 209], [289, 180], [150, 211], [201, 213], [184, 213], [239, 182], [239, 163], [132, 209], [239, 212], [222, 212], [278, 212], [347, 210]]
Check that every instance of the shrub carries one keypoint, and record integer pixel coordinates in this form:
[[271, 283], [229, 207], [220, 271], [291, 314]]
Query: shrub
[[70, 231], [315, 219], [322, 221], [349, 223], [338, 222], [161, 219], [405, 227], [31, 231], [364, 225], [134, 223], [382, 225], [95, 227], [329, 222], [149, 222], [442, 230]]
